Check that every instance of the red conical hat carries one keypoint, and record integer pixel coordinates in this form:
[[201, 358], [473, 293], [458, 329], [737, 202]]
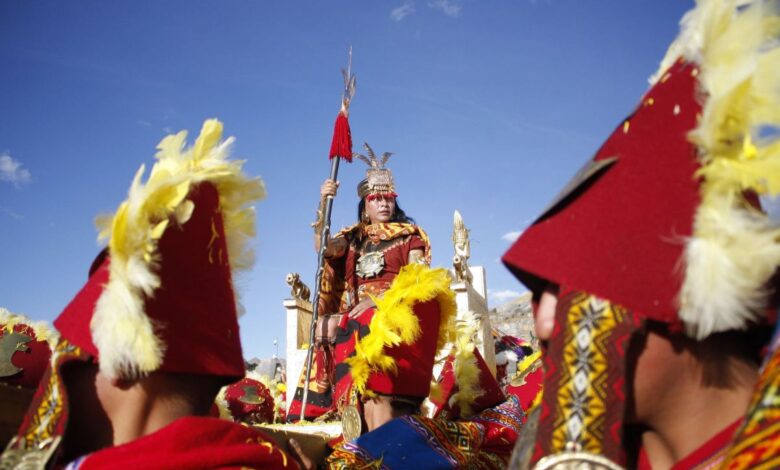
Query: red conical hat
[[658, 221], [163, 297]]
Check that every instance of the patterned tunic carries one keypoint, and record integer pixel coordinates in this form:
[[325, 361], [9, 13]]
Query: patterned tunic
[[347, 280]]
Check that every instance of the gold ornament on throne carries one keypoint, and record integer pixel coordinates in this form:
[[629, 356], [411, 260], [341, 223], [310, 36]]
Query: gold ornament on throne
[[462, 244]]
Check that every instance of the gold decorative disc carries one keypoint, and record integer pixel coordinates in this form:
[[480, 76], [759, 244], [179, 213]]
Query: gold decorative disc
[[351, 423]]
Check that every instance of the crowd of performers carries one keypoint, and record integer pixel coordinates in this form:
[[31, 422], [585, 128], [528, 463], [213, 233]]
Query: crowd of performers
[[653, 274]]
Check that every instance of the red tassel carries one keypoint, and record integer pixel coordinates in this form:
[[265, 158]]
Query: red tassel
[[342, 139]]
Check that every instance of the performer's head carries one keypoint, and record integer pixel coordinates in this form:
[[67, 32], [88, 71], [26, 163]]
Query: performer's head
[[153, 334], [655, 253], [378, 199]]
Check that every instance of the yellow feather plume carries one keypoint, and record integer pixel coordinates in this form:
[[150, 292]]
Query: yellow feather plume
[[43, 331], [734, 249], [466, 370], [122, 332], [395, 323]]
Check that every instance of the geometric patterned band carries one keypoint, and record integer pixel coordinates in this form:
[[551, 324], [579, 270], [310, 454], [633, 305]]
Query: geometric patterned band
[[584, 398], [757, 443]]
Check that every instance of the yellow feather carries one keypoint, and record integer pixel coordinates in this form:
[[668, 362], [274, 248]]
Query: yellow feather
[[394, 321], [134, 349], [734, 250]]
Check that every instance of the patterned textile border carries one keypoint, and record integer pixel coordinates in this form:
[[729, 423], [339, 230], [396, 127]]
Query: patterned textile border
[[484, 442], [351, 456], [757, 443], [44, 424], [584, 390]]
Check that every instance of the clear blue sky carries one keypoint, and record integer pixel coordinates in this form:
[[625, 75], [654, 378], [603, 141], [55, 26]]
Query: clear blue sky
[[489, 107]]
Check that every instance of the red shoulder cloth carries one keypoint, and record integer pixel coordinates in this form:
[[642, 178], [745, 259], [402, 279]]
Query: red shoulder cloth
[[711, 453], [190, 443]]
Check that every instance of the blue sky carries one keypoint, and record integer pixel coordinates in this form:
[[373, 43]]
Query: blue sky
[[488, 106]]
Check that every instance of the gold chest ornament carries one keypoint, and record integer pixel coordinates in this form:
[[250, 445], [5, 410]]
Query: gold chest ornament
[[370, 264]]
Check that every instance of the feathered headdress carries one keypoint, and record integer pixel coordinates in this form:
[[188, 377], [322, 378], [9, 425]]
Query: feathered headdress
[[734, 249], [379, 179], [663, 220], [163, 298]]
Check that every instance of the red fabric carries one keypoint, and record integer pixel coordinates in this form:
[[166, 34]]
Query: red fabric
[[638, 211], [527, 391], [194, 443], [491, 390], [32, 357], [414, 361], [249, 400], [643, 462], [341, 145], [319, 400], [711, 453], [395, 258], [194, 310]]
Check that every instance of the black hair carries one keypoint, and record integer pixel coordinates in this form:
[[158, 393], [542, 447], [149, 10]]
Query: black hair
[[398, 214]]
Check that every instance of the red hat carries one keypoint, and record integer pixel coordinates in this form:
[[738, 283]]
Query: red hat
[[24, 359], [466, 386], [410, 324], [249, 401], [163, 298], [659, 224], [658, 220]]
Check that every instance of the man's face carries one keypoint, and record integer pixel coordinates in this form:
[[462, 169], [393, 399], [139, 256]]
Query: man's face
[[379, 208], [544, 314]]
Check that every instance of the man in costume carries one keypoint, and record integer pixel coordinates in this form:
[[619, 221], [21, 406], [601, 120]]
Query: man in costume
[[652, 268], [361, 262], [152, 336], [389, 362]]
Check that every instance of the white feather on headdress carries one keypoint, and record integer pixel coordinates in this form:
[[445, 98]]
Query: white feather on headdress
[[734, 249], [121, 330]]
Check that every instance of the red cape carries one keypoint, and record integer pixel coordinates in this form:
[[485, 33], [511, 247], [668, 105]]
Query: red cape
[[194, 443]]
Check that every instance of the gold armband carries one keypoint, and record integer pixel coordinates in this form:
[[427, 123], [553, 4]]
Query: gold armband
[[319, 222]]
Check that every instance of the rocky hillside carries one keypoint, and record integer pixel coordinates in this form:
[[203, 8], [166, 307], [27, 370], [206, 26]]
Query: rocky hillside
[[515, 317]]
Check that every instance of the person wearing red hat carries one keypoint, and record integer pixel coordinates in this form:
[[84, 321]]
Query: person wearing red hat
[[652, 269], [247, 401], [25, 349], [361, 262], [149, 340]]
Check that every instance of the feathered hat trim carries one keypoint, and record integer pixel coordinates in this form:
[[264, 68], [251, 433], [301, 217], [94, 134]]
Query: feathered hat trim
[[124, 335], [42, 330], [466, 370], [734, 249], [394, 322], [379, 178]]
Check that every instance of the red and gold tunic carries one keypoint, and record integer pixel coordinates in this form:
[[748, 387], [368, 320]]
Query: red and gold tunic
[[344, 284], [374, 256]]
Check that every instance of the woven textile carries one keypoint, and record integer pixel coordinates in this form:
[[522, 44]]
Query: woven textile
[[757, 444], [584, 396]]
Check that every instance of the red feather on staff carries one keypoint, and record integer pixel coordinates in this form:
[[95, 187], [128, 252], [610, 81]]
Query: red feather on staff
[[341, 146]]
